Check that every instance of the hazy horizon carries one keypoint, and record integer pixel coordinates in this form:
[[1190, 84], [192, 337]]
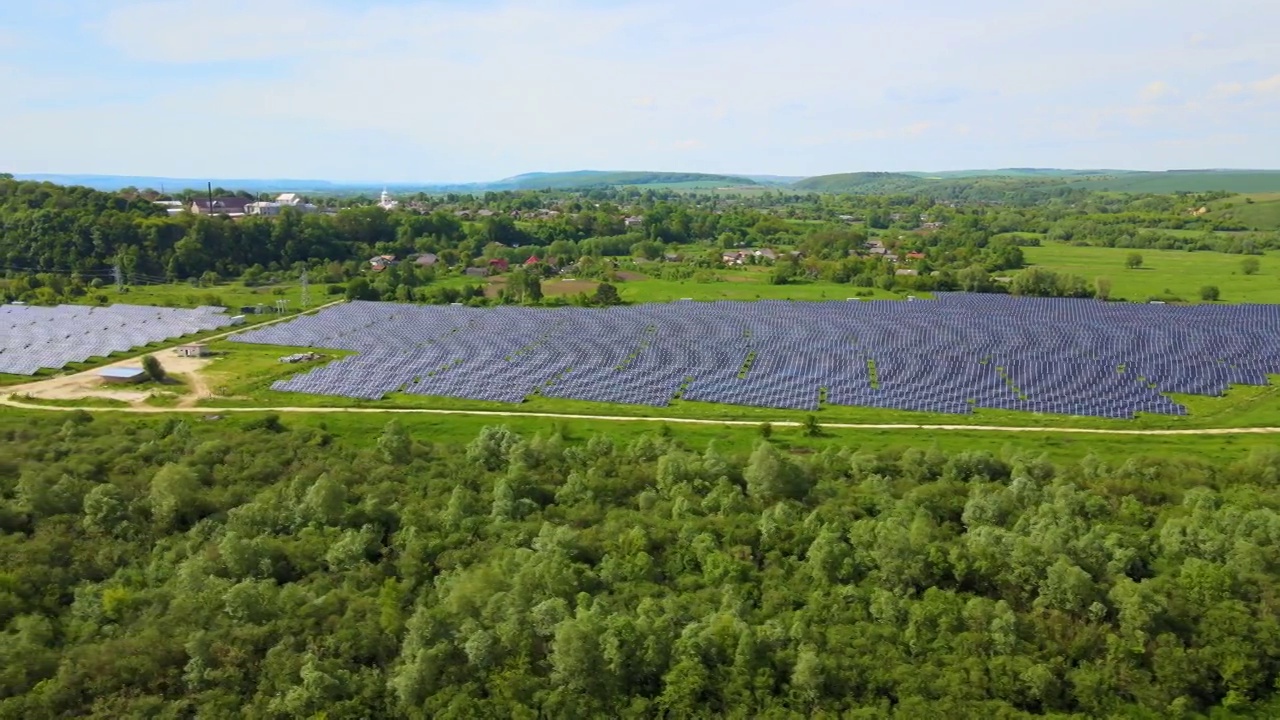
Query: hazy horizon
[[406, 91]]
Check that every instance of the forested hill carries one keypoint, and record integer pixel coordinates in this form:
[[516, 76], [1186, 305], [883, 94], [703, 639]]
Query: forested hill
[[245, 568], [990, 184], [983, 188]]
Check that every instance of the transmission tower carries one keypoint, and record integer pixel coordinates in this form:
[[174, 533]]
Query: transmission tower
[[306, 291], [119, 277]]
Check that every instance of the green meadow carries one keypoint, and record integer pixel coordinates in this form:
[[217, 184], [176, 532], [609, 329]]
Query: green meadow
[[1164, 272]]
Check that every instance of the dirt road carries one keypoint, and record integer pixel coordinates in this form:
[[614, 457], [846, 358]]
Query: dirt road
[[12, 402]]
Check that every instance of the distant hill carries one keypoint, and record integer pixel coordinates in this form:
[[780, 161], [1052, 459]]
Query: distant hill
[[866, 183], [1173, 181], [605, 178], [529, 181], [979, 184], [173, 185], [1017, 172], [976, 184]]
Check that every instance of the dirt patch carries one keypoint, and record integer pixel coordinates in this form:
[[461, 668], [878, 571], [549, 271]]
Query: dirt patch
[[628, 276], [89, 384], [569, 287], [549, 287], [495, 286]]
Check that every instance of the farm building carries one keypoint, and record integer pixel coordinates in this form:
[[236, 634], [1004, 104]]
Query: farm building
[[192, 350], [122, 375]]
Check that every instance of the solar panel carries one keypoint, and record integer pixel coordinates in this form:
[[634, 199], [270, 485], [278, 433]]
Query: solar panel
[[951, 355], [34, 337]]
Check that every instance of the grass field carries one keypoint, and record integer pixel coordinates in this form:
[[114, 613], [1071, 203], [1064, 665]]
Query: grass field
[[745, 284], [1259, 211], [1237, 181], [1164, 272], [232, 295]]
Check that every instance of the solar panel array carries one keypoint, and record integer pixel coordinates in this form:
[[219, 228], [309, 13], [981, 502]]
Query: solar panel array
[[33, 337], [951, 355]]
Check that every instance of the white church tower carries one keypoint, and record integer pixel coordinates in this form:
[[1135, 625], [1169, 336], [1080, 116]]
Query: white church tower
[[386, 203]]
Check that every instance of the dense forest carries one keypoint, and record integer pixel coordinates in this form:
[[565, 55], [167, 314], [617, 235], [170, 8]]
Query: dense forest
[[219, 568]]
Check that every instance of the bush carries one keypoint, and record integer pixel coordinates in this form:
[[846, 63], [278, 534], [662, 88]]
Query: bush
[[1250, 266], [335, 289], [811, 426], [1209, 293], [152, 367]]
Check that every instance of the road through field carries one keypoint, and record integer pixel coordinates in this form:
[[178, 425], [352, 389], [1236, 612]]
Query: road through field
[[9, 401]]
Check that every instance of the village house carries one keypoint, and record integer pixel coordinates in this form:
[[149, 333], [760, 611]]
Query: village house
[[382, 262], [426, 260], [282, 201], [229, 206]]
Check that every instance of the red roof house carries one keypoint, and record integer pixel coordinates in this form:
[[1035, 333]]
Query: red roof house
[[915, 256], [499, 264], [533, 260]]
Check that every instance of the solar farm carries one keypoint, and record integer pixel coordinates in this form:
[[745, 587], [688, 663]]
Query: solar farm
[[35, 338], [954, 354]]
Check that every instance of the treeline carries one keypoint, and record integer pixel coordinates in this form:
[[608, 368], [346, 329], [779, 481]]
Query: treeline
[[50, 228], [219, 568]]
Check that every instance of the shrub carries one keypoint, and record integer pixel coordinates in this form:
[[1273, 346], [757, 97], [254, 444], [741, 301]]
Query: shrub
[[1209, 293], [152, 367]]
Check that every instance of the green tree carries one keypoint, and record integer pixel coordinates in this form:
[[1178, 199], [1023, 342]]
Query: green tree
[[1250, 266], [606, 294], [1102, 288], [153, 369], [395, 444], [811, 426], [1209, 293], [1133, 260], [174, 495]]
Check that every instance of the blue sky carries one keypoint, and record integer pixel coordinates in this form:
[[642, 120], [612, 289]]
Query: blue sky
[[403, 90]]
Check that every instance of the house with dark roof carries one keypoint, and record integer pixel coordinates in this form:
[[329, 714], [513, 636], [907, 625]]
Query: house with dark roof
[[382, 262], [426, 260], [232, 206]]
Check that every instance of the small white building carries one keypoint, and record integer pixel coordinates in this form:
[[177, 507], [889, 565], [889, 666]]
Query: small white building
[[386, 203], [192, 350]]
